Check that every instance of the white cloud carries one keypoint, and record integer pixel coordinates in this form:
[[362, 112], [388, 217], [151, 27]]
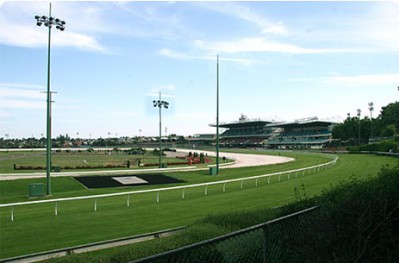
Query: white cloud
[[21, 35], [21, 85], [246, 14], [166, 91], [186, 56], [5, 114], [261, 44], [21, 96], [369, 79], [24, 32], [382, 28], [20, 93], [174, 54], [80, 41], [21, 104], [353, 81]]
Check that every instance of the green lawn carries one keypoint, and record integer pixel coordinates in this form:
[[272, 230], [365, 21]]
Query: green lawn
[[72, 159], [36, 228]]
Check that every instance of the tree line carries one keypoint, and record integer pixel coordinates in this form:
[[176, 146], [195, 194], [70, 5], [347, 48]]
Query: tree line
[[357, 131]]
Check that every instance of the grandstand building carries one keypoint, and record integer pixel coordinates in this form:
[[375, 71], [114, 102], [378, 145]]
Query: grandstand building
[[309, 133], [245, 133]]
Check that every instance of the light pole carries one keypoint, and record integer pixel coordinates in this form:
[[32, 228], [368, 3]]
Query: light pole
[[160, 103], [60, 25], [358, 128], [217, 114], [371, 108]]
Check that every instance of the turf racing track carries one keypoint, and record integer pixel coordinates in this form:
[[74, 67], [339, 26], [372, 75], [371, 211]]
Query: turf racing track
[[242, 163], [56, 204]]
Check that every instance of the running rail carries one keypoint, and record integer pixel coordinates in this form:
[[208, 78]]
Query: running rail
[[158, 190]]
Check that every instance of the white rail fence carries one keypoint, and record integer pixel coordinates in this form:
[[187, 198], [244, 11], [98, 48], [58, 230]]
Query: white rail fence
[[290, 174]]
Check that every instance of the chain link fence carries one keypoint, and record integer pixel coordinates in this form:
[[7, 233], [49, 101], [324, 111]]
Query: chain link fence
[[286, 239]]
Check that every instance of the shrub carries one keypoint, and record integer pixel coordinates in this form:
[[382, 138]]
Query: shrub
[[202, 158], [357, 221], [90, 150], [384, 146]]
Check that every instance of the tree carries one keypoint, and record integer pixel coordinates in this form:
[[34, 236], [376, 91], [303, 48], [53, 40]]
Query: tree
[[390, 115], [385, 125], [389, 131], [348, 130]]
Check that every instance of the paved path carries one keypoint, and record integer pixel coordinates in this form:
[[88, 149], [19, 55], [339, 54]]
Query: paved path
[[241, 160], [246, 160]]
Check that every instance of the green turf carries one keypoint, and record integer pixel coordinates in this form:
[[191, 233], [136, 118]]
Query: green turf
[[36, 228], [72, 159]]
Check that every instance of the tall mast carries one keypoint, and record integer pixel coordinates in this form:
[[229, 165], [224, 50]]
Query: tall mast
[[217, 114]]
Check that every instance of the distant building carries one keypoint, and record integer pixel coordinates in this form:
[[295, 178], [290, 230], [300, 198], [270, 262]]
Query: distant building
[[201, 139]]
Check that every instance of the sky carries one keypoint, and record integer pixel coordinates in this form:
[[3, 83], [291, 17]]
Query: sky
[[278, 61]]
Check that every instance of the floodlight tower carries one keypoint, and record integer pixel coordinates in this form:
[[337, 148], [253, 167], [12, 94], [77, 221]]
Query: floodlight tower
[[217, 115], [358, 127], [160, 103], [371, 108], [60, 25]]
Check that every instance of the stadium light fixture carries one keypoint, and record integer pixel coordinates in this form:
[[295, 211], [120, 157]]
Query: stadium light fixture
[[160, 103], [60, 25]]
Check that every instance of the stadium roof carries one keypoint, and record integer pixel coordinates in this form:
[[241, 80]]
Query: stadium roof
[[242, 124], [309, 123]]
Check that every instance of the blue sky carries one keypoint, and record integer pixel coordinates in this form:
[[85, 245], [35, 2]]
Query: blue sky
[[278, 61]]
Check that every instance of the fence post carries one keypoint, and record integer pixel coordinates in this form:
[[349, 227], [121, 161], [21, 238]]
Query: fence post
[[256, 182], [12, 214], [56, 209], [224, 187], [265, 243], [268, 180], [95, 205], [206, 189], [158, 197], [182, 194], [241, 184], [128, 201]]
